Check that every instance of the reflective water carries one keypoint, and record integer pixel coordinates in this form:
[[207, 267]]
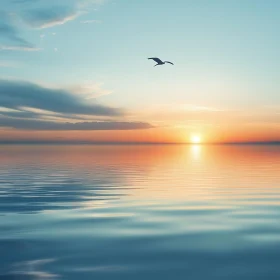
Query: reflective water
[[140, 212]]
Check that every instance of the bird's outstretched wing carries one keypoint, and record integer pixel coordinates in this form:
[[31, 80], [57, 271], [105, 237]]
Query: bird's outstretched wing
[[169, 62], [157, 60]]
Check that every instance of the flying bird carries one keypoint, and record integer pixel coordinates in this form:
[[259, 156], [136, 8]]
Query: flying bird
[[159, 62]]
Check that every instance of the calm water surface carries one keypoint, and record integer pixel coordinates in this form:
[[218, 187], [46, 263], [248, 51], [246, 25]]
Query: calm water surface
[[140, 212]]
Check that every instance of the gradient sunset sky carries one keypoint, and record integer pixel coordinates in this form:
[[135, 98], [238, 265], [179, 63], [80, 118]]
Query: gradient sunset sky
[[77, 70]]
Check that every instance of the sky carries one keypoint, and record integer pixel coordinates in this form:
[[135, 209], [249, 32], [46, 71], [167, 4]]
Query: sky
[[77, 71]]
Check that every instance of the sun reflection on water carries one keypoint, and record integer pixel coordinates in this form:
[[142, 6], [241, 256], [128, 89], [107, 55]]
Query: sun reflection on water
[[196, 151]]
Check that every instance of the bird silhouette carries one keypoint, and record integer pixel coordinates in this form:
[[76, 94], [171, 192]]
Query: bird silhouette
[[159, 62]]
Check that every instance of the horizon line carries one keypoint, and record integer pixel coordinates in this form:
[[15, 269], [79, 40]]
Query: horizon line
[[70, 142]]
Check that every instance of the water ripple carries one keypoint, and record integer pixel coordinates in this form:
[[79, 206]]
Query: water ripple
[[140, 212]]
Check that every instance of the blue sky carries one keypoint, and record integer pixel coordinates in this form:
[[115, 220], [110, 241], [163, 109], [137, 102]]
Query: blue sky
[[226, 55]]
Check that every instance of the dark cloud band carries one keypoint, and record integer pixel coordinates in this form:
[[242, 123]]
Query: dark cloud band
[[16, 94], [27, 124]]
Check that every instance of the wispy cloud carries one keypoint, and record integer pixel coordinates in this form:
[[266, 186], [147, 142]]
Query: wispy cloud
[[10, 37], [89, 90], [19, 48], [45, 18], [9, 33], [186, 107]]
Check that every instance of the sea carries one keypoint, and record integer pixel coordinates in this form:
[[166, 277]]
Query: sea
[[140, 212]]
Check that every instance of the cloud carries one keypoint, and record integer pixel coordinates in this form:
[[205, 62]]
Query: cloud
[[17, 94], [9, 35], [18, 114], [28, 106], [19, 48], [33, 124], [45, 18], [186, 107], [39, 114], [89, 90]]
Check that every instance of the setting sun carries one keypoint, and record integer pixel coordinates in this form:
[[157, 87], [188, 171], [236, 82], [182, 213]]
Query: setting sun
[[195, 139]]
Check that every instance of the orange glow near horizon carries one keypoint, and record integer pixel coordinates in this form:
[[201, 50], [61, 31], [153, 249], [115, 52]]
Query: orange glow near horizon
[[206, 135]]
